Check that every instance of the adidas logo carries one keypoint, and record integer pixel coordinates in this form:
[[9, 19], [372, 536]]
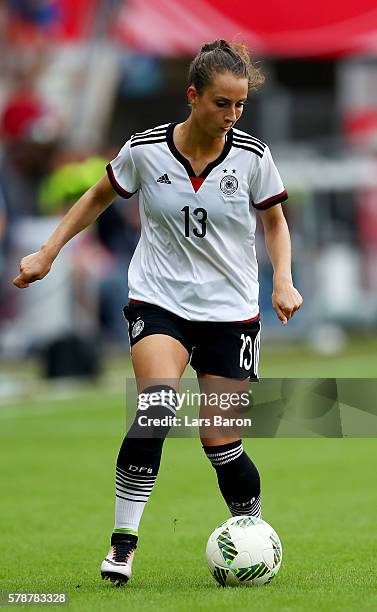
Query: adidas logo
[[164, 179]]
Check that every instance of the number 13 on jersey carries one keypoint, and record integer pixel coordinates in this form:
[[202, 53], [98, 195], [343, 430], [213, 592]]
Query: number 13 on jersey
[[201, 215]]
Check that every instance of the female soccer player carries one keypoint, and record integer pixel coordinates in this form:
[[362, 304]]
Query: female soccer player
[[193, 283]]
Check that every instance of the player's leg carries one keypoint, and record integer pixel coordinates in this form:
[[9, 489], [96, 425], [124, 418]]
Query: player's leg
[[237, 475], [158, 361], [226, 359]]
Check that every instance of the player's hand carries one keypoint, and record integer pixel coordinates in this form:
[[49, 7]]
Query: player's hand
[[33, 267], [286, 300]]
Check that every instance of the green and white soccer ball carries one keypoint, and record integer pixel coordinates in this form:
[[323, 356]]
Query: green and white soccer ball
[[244, 550]]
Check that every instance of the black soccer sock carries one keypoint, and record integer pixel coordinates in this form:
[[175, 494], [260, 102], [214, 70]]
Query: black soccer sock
[[238, 478], [139, 458]]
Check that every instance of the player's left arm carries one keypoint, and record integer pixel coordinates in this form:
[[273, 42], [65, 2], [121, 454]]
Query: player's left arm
[[286, 300]]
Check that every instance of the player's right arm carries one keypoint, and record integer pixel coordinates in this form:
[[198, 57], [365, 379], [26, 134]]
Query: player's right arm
[[82, 214]]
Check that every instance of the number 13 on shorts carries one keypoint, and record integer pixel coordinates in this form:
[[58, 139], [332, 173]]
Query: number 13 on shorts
[[249, 353]]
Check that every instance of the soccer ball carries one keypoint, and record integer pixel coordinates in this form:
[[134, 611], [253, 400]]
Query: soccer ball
[[244, 550]]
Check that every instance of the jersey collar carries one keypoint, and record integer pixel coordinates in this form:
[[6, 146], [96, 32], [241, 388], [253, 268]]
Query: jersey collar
[[185, 162]]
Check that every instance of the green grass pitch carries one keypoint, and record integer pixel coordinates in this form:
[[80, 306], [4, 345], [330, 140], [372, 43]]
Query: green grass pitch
[[57, 468]]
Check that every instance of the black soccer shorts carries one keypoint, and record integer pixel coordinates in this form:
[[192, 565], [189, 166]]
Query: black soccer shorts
[[223, 349]]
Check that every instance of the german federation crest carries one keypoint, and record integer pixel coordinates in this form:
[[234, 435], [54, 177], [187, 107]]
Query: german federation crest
[[229, 184], [137, 328]]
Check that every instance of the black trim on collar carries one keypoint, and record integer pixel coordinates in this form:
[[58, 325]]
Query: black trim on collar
[[185, 162]]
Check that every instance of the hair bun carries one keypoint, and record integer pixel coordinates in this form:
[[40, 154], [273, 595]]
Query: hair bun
[[220, 43]]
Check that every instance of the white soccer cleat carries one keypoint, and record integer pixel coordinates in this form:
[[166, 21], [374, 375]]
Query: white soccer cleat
[[117, 565]]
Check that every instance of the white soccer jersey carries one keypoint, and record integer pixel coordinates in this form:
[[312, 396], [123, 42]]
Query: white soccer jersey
[[196, 254]]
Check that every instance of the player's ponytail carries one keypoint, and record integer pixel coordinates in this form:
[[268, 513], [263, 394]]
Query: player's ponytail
[[220, 56]]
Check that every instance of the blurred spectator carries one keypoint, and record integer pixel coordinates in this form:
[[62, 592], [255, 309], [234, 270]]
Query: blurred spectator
[[118, 229], [31, 133]]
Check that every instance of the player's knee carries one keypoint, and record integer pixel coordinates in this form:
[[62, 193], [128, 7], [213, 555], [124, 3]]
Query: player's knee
[[156, 410]]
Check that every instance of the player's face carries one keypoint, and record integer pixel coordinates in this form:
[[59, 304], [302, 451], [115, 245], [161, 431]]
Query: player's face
[[220, 104]]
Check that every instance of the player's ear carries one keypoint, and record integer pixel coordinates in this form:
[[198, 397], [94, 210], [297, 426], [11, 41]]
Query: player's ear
[[192, 95]]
